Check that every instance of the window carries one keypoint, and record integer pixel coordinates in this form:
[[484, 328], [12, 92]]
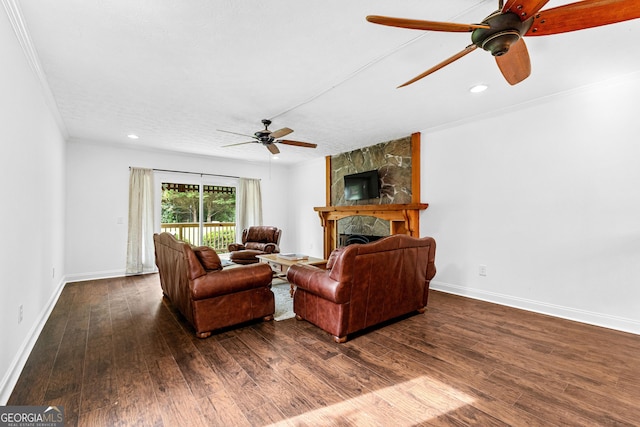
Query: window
[[198, 213]]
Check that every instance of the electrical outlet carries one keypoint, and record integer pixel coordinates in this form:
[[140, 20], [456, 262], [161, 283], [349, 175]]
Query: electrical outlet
[[482, 270], [20, 314]]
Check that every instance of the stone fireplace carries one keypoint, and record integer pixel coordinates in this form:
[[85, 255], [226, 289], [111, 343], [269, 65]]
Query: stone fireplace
[[397, 209]]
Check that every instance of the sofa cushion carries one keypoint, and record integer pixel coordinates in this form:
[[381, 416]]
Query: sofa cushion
[[208, 258], [333, 257]]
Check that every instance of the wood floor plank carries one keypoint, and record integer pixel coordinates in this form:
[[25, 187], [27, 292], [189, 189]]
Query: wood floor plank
[[99, 375], [137, 404], [70, 403], [177, 403], [557, 410], [523, 380], [266, 414], [114, 352], [98, 417], [236, 380], [317, 391], [179, 406], [67, 372], [288, 401], [220, 409], [265, 350], [511, 415], [607, 404]]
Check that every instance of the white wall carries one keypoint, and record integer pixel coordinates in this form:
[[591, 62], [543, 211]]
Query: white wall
[[547, 197], [32, 212], [307, 185], [98, 191]]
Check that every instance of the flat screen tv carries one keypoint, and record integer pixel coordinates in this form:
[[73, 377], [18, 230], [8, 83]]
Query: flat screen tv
[[361, 186]]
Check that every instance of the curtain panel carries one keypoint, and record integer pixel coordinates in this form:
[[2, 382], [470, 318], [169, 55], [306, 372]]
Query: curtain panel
[[140, 251], [249, 204]]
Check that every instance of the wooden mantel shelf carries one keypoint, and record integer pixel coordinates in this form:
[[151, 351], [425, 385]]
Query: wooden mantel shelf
[[368, 208], [388, 212], [403, 219]]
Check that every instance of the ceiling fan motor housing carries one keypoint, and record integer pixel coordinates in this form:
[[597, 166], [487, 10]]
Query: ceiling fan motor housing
[[506, 29], [264, 136]]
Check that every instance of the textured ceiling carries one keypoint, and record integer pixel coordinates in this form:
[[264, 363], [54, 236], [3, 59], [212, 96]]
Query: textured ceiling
[[175, 72]]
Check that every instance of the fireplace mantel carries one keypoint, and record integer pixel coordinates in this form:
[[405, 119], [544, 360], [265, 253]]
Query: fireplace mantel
[[403, 219]]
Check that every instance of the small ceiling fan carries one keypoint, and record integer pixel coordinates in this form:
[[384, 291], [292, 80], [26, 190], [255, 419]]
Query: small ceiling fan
[[269, 138], [501, 32]]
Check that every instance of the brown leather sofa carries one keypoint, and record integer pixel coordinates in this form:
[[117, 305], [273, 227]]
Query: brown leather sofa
[[256, 240], [209, 296], [365, 284]]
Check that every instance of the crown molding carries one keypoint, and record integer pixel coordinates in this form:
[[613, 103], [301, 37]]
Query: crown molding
[[14, 13]]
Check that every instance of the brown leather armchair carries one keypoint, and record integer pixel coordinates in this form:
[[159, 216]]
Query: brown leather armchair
[[365, 284], [208, 296], [256, 240]]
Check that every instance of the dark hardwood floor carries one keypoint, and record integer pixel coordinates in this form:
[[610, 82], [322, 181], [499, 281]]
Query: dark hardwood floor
[[113, 353]]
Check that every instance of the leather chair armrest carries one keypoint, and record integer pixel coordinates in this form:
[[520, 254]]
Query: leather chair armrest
[[267, 248], [271, 248], [227, 281], [317, 281], [236, 247]]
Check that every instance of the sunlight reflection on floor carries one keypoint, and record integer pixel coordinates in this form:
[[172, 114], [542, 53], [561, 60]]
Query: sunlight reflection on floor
[[405, 404]]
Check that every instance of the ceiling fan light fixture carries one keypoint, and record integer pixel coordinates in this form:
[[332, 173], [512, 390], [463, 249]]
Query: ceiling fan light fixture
[[481, 87], [499, 43]]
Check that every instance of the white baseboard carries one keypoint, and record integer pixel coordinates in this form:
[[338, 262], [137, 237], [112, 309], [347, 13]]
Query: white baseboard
[[96, 275], [17, 365], [569, 313]]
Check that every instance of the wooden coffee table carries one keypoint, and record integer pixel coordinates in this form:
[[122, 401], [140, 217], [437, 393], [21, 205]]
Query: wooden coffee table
[[280, 266]]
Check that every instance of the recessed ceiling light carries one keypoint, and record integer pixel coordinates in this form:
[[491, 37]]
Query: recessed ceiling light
[[478, 88], [132, 136]]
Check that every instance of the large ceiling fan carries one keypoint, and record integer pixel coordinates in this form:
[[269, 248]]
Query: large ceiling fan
[[269, 138], [501, 32]]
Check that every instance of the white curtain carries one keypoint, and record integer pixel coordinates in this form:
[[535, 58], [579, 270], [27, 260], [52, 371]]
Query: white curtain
[[249, 204], [140, 252]]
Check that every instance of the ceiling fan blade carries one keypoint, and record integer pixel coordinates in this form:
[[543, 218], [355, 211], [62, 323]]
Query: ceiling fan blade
[[272, 147], [455, 57], [583, 14], [525, 9], [235, 133], [239, 143], [515, 65], [416, 24], [297, 143], [281, 132]]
